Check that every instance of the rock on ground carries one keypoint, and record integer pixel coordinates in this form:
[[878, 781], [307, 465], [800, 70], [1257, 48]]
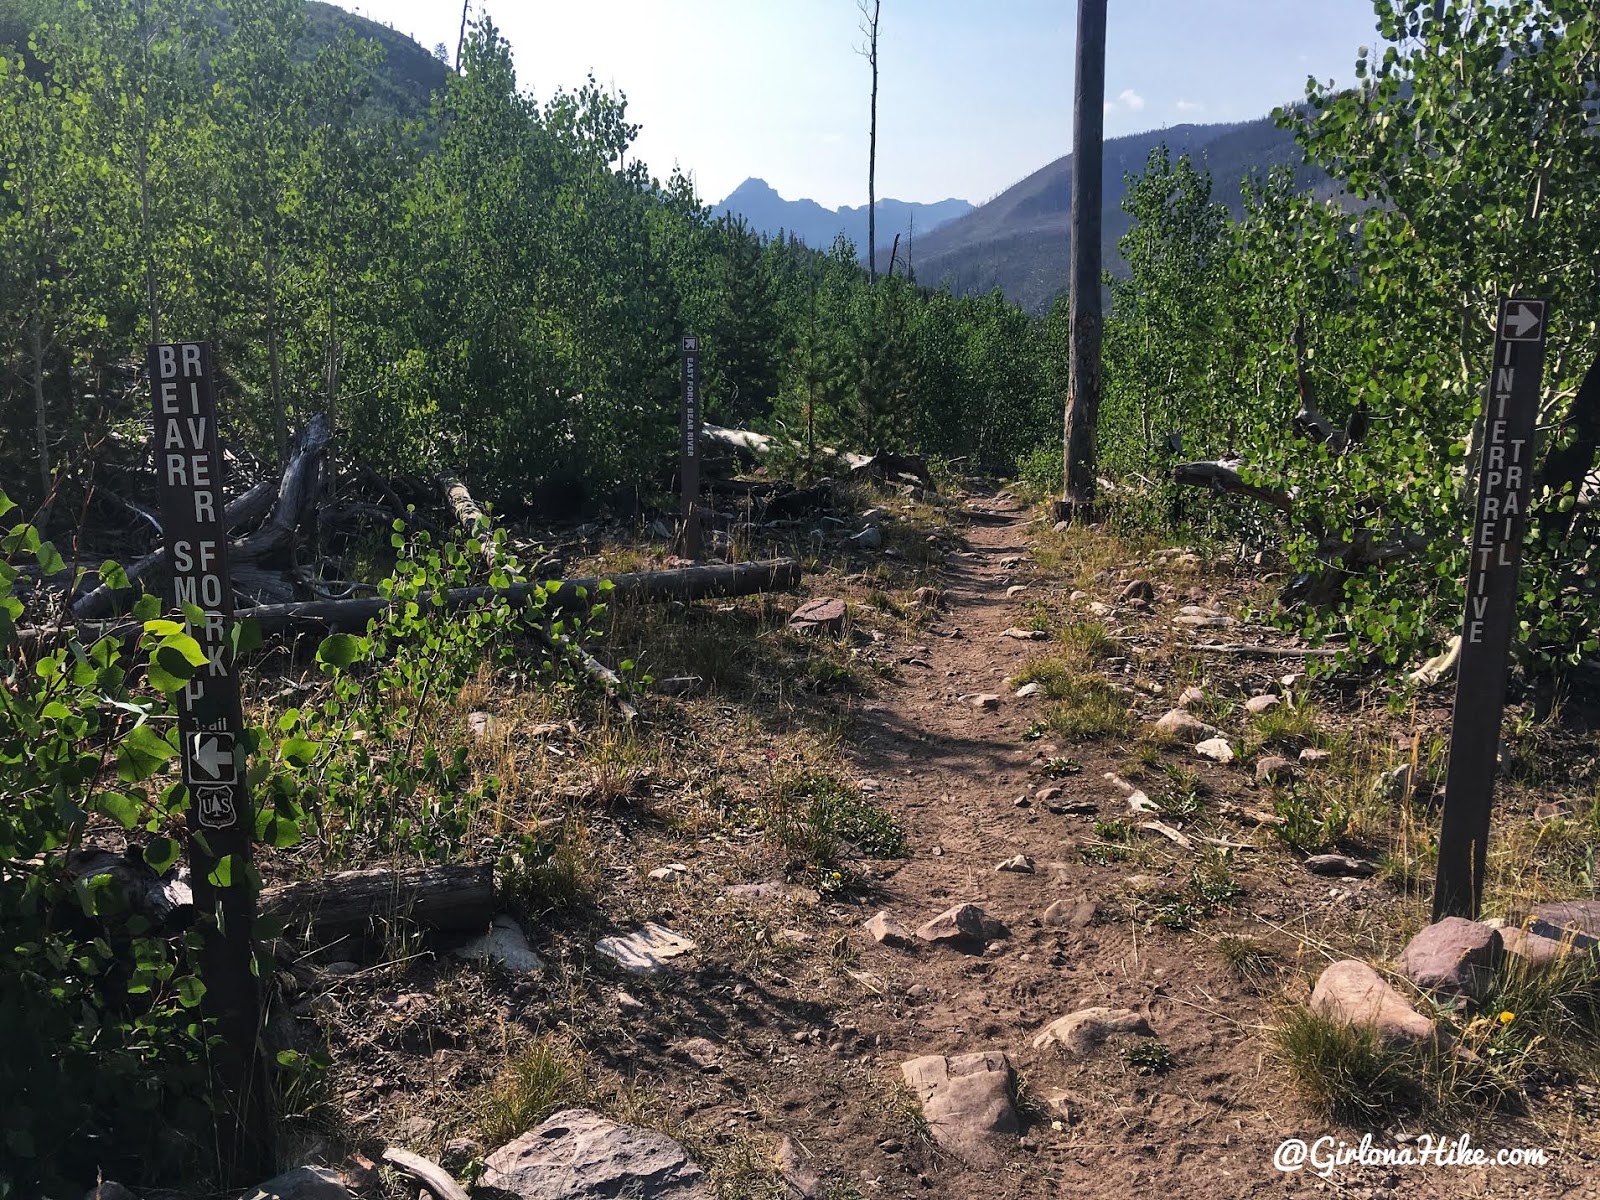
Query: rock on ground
[[505, 944], [1581, 916], [885, 929], [1190, 696], [1029, 690], [302, 1183], [801, 1180], [1274, 770], [702, 1052], [869, 538], [1257, 705], [1337, 864], [1082, 1031], [1184, 724], [1455, 956], [963, 923], [826, 613], [1216, 749], [580, 1155], [1019, 863], [646, 950], [966, 1100], [1076, 914], [1352, 993], [1539, 942], [985, 701]]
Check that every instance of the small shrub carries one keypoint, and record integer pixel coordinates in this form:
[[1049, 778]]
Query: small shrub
[[543, 874], [815, 818], [1148, 1057], [1347, 1072], [544, 1076]]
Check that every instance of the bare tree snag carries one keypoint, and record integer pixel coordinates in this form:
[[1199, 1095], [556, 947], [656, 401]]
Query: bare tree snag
[[448, 897], [1309, 421], [869, 16], [297, 490]]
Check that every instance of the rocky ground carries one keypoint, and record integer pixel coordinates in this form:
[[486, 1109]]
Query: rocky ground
[[1064, 981]]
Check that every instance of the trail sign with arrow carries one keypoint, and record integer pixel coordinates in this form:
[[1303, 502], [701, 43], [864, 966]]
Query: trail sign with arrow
[[1504, 484], [221, 824]]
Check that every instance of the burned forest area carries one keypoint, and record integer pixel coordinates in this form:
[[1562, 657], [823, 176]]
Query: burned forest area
[[515, 686]]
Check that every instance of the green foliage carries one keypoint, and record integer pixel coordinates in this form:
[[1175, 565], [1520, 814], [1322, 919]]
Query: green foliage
[[368, 765], [104, 1046], [1465, 154], [496, 286], [816, 819]]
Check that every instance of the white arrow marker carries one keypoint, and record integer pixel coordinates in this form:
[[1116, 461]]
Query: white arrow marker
[[209, 754], [1521, 319]]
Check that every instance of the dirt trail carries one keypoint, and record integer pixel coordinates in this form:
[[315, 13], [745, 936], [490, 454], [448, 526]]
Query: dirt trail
[[953, 775]]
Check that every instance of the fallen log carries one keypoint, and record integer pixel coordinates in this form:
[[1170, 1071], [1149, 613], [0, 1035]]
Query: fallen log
[[287, 503], [568, 595], [476, 523], [452, 897], [165, 900], [1248, 651], [887, 465], [610, 682], [471, 517], [757, 446], [1440, 667], [105, 600]]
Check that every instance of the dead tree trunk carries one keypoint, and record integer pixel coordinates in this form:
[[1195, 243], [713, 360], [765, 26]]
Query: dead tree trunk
[[471, 517], [476, 522], [870, 28]]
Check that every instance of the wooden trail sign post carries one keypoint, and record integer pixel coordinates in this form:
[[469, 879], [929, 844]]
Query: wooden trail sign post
[[221, 823], [689, 447], [1496, 558]]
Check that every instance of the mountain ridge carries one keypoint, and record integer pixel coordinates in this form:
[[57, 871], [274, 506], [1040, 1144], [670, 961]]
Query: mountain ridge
[[767, 212], [1019, 241]]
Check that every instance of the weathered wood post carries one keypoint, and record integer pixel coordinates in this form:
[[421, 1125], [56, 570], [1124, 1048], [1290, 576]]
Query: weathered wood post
[[1496, 559], [689, 447], [221, 824], [1083, 368]]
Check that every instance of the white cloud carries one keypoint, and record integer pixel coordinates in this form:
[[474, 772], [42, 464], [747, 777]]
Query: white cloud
[[1131, 100], [1190, 106]]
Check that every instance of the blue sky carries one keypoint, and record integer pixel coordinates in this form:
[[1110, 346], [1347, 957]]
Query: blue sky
[[973, 94]]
